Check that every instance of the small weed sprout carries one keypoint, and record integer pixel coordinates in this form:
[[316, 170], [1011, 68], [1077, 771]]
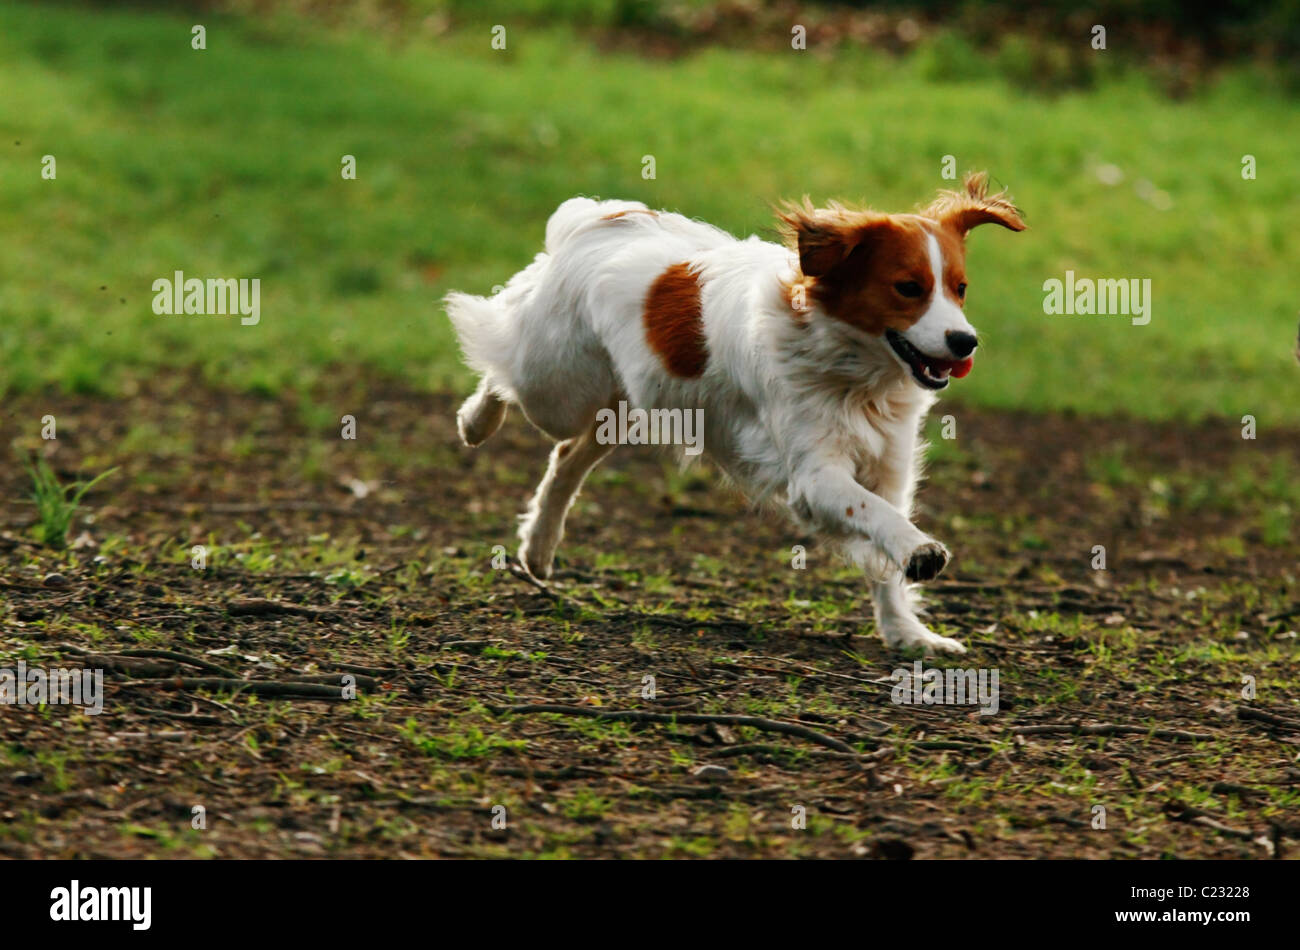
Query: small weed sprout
[[54, 507]]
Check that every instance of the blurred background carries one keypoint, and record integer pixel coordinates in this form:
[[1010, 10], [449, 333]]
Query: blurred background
[[225, 162]]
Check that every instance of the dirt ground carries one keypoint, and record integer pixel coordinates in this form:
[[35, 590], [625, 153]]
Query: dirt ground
[[1121, 690]]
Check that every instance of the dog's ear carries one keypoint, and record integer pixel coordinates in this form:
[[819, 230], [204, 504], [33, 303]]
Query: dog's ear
[[823, 237], [973, 206]]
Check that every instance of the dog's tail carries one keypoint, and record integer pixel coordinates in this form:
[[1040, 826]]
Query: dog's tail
[[482, 325]]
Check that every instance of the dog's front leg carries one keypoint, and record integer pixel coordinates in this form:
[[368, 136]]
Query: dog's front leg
[[894, 605], [829, 496], [832, 498]]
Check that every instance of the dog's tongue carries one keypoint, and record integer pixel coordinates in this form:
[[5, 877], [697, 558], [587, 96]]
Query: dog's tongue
[[954, 368]]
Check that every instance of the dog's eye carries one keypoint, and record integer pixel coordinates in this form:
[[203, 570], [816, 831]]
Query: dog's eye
[[961, 290], [909, 288]]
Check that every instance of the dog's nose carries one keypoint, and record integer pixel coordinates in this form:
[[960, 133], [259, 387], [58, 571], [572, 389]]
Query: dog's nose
[[961, 343]]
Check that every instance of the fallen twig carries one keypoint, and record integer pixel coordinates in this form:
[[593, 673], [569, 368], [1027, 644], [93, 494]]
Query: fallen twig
[[568, 771], [1179, 811], [173, 655], [1249, 712], [950, 745], [1109, 729], [257, 687], [182, 658], [332, 679], [764, 748], [635, 715], [376, 671]]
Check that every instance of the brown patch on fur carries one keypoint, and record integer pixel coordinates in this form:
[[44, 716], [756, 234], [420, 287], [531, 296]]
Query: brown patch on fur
[[674, 322], [880, 252], [615, 215]]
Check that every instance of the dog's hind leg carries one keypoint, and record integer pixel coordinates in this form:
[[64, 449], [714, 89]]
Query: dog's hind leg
[[543, 524], [480, 415]]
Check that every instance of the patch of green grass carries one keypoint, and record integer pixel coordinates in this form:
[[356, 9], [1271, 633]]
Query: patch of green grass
[[56, 503], [226, 163], [498, 653], [586, 805], [55, 767], [697, 847], [467, 742]]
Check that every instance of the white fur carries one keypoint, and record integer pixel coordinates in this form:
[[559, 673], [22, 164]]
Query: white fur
[[930, 333], [802, 409]]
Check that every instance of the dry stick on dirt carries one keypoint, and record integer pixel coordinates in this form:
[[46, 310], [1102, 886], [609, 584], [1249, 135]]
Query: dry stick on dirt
[[362, 680], [174, 655], [633, 715], [180, 658], [376, 671], [1178, 811], [726, 752], [1109, 729], [257, 687], [949, 745], [332, 679], [1246, 712]]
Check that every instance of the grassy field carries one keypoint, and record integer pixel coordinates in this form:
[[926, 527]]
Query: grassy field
[[226, 162]]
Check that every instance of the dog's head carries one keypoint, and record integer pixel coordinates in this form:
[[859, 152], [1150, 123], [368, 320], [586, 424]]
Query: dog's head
[[898, 278]]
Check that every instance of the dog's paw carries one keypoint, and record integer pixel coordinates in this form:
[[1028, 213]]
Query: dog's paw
[[534, 563], [937, 644], [908, 633], [916, 637], [927, 562]]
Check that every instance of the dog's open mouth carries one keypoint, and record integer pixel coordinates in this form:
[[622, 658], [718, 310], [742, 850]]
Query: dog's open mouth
[[930, 372]]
